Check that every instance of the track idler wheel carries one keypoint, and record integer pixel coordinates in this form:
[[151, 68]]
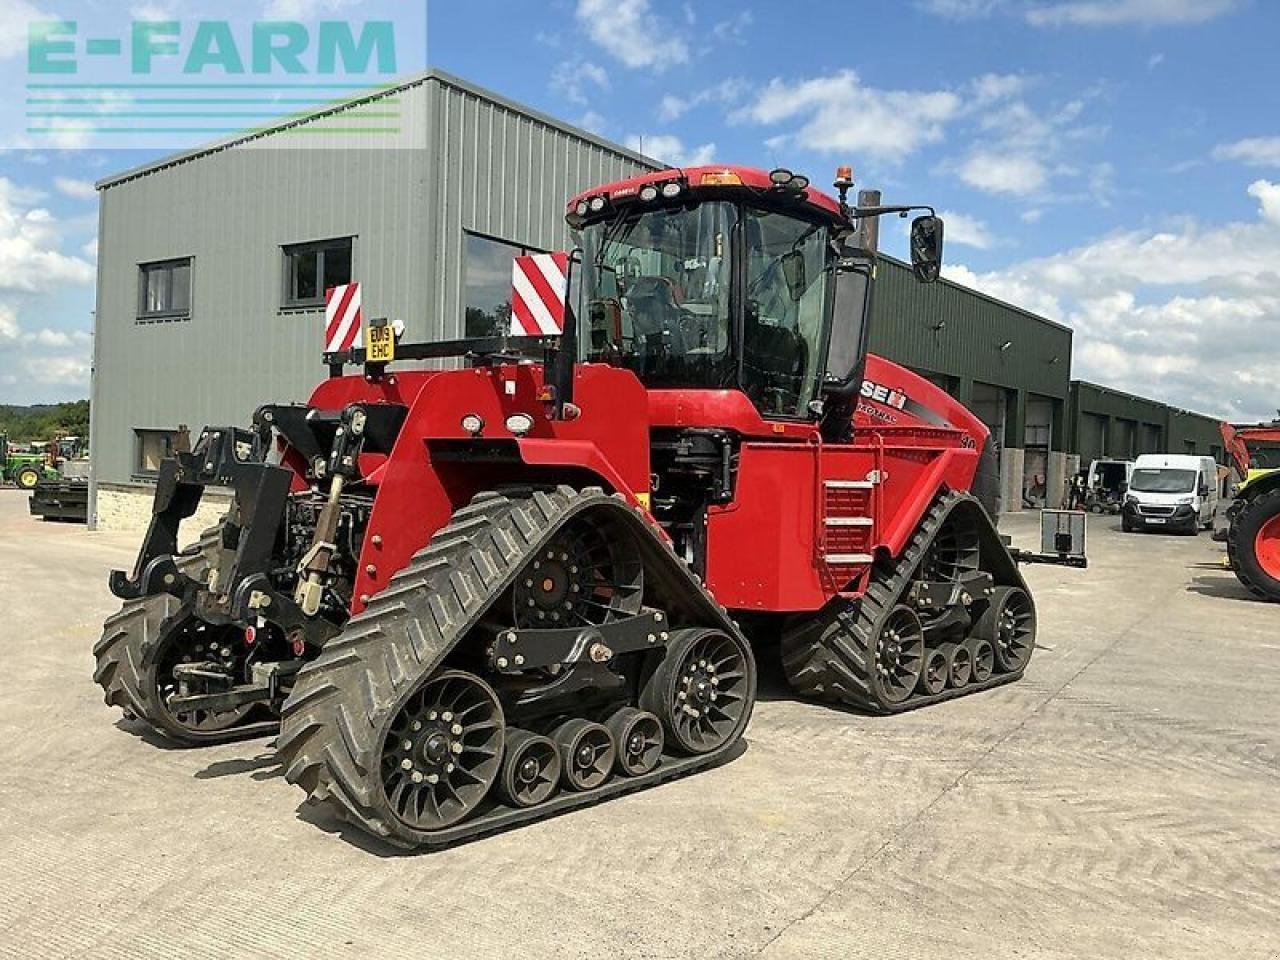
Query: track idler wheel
[[959, 664], [1009, 624], [899, 654], [530, 769], [982, 659], [701, 691], [638, 735], [587, 753], [442, 751], [933, 678]]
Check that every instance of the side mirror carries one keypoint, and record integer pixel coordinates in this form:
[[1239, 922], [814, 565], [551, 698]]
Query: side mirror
[[926, 248], [793, 271]]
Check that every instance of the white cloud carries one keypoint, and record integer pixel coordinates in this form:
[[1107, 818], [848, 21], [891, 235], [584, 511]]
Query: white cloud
[[30, 258], [15, 21], [575, 80], [671, 150], [1188, 313], [304, 10], [992, 87], [966, 231], [60, 370], [1268, 196], [673, 107], [1106, 13], [836, 113], [9, 328], [962, 9], [79, 189], [1026, 216], [1155, 60], [734, 29], [629, 31], [1018, 174], [588, 121], [1255, 151]]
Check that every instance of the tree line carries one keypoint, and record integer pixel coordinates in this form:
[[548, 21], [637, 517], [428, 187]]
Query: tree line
[[46, 421]]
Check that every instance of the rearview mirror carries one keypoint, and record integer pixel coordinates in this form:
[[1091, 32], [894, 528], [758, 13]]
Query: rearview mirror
[[926, 248], [793, 271]]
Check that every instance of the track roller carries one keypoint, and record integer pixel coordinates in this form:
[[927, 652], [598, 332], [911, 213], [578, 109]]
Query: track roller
[[587, 753], [639, 739], [702, 689], [981, 658], [933, 678], [530, 769], [899, 654], [1009, 624], [959, 664]]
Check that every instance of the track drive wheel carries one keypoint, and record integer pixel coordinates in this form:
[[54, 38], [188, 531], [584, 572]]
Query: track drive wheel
[[702, 689], [1009, 625], [899, 654], [530, 769], [587, 753], [442, 750], [1253, 545]]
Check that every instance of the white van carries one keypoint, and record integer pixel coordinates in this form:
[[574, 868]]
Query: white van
[[1171, 491]]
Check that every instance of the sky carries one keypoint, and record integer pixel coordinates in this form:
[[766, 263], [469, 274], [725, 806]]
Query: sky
[[1110, 164]]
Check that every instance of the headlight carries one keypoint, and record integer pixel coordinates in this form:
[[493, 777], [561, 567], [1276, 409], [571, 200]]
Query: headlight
[[519, 423], [671, 189], [473, 423], [1130, 498], [582, 208], [597, 204], [1186, 501], [649, 193]]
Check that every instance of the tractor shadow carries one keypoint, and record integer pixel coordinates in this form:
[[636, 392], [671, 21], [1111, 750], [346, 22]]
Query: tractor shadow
[[265, 766], [1223, 587], [330, 823]]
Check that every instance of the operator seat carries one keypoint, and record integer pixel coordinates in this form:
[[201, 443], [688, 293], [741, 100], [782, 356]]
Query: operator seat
[[774, 361], [653, 303]]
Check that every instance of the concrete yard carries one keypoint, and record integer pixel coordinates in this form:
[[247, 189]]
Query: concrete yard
[[1119, 801]]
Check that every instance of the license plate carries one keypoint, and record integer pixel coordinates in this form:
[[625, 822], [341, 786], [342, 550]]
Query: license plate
[[381, 342], [1155, 519]]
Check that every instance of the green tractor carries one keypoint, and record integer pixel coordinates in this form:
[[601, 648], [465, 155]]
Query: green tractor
[[1253, 533], [23, 469]]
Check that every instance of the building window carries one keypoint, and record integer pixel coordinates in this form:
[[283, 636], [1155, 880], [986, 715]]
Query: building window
[[152, 446], [312, 268], [164, 290], [487, 285]]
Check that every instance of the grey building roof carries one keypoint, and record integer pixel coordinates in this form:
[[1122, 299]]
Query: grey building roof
[[429, 75]]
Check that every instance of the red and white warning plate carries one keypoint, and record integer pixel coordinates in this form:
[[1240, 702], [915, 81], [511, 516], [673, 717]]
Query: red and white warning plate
[[343, 318], [539, 283]]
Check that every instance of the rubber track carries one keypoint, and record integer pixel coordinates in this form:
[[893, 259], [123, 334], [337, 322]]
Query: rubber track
[[1235, 548], [331, 724], [836, 668], [129, 635]]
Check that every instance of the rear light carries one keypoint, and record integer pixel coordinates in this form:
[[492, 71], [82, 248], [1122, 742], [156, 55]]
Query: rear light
[[519, 423]]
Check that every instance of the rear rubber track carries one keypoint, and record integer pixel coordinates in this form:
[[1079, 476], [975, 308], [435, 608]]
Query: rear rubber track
[[332, 723], [830, 657]]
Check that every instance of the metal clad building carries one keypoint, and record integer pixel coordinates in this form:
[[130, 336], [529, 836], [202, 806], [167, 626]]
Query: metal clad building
[[209, 261], [1107, 423]]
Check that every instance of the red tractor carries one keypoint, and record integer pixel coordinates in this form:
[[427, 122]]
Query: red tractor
[[1252, 533], [475, 597]]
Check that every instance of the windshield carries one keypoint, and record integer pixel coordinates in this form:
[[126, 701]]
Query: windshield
[[656, 286], [1163, 480], [657, 293]]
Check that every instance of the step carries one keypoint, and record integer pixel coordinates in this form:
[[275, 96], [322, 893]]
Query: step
[[848, 484], [843, 559], [848, 521]]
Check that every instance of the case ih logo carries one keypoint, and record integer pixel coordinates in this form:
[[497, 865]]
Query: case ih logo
[[882, 394]]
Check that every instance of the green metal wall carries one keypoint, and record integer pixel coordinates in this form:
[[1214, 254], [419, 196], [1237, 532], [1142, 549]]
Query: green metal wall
[[1102, 422], [959, 337]]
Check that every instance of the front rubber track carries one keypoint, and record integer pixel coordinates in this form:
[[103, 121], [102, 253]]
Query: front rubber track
[[333, 722], [130, 638], [829, 656]]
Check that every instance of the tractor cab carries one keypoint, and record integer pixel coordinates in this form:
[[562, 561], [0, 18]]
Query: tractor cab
[[714, 278]]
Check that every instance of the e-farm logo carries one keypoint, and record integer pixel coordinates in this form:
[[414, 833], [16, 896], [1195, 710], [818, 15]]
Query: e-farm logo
[[171, 82]]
